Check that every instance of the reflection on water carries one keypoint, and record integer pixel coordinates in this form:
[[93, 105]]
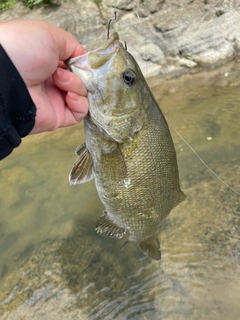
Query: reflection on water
[[54, 266]]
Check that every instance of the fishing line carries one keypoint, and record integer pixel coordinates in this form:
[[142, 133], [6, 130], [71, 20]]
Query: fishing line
[[190, 147], [196, 154]]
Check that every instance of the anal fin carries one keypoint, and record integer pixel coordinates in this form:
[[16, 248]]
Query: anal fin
[[105, 226], [82, 170], [151, 247]]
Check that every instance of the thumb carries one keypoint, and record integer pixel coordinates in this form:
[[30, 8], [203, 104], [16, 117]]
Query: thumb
[[68, 45]]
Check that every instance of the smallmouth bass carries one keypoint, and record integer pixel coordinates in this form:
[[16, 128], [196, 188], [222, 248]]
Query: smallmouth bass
[[128, 150]]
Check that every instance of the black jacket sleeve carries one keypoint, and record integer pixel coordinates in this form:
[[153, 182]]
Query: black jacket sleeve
[[17, 110]]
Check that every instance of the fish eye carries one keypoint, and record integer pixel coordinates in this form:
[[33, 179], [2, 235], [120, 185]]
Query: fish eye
[[129, 77]]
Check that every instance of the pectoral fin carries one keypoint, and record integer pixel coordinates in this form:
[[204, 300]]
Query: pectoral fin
[[82, 170], [105, 226], [151, 248]]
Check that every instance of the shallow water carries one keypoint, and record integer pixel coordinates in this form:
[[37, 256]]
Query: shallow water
[[54, 266]]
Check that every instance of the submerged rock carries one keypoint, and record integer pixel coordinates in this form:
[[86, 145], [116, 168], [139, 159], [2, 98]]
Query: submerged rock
[[68, 276], [83, 277]]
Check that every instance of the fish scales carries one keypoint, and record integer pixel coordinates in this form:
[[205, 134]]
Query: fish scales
[[128, 151]]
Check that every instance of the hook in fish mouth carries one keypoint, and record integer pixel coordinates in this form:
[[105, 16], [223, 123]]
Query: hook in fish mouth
[[109, 24], [108, 47], [110, 20]]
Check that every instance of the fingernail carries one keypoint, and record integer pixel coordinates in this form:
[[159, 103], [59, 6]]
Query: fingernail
[[63, 75], [73, 95]]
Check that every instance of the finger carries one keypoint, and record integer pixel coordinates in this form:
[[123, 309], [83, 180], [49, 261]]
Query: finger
[[68, 81], [62, 65], [68, 45], [78, 105]]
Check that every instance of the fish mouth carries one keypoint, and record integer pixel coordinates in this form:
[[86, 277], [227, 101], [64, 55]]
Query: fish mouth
[[85, 66], [97, 58]]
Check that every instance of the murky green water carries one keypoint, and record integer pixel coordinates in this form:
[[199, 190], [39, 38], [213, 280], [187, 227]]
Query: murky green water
[[54, 266]]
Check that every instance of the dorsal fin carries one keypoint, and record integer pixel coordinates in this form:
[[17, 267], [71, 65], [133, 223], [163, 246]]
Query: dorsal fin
[[105, 226], [82, 170]]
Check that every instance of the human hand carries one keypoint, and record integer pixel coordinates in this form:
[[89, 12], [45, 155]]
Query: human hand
[[38, 50]]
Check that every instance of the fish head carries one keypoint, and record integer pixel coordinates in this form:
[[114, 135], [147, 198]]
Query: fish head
[[117, 90]]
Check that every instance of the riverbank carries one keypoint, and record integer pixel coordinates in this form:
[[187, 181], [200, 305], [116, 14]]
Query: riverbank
[[165, 37]]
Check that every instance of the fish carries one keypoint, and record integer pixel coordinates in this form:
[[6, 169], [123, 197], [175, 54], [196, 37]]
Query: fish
[[128, 148]]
